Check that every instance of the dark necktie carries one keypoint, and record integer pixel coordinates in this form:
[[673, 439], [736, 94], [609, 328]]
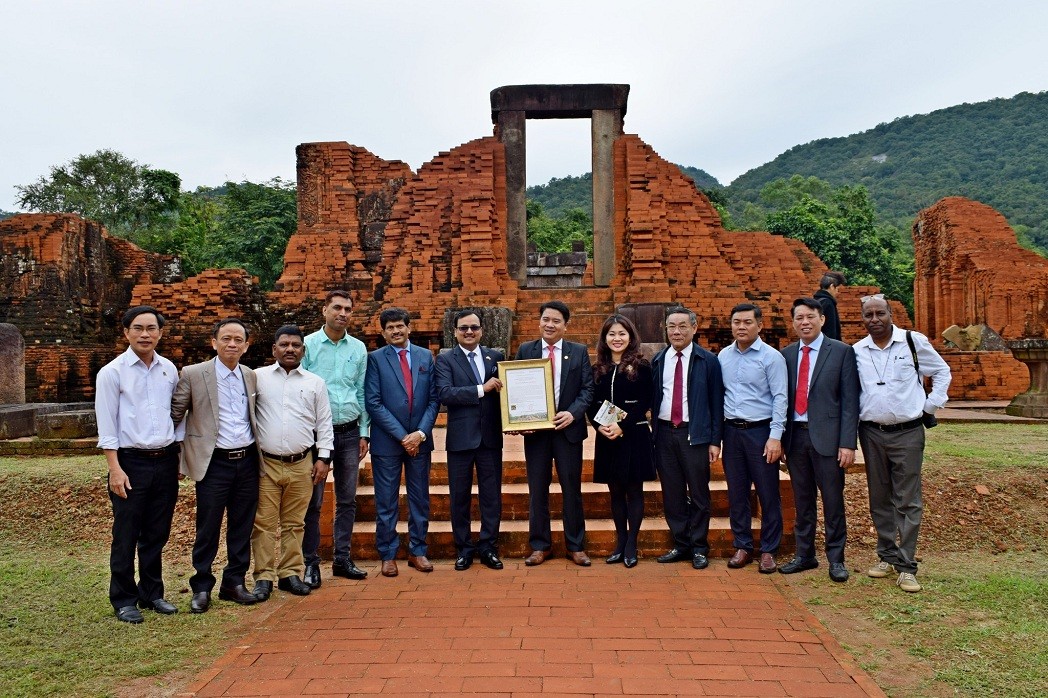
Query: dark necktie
[[406, 370], [677, 401], [473, 365], [801, 403]]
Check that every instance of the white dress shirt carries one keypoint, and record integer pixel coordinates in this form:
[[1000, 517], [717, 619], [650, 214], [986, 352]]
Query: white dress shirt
[[669, 365], [289, 408], [891, 392], [478, 361], [234, 427], [813, 356], [133, 403], [558, 366]]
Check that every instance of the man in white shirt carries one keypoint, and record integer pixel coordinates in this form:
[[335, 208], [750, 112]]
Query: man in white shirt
[[292, 406], [892, 406], [133, 409]]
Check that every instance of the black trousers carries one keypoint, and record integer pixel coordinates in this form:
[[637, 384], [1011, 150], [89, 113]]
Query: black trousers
[[230, 487], [627, 511], [488, 462], [684, 471], [811, 471], [142, 522], [541, 451]]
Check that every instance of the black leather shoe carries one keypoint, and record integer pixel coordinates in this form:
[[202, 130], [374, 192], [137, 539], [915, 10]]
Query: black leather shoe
[[129, 614], [238, 594], [613, 559], [160, 606], [630, 562], [295, 585], [201, 602], [312, 575], [263, 589], [798, 565], [699, 561], [491, 560], [463, 563], [346, 568], [675, 555], [838, 572]]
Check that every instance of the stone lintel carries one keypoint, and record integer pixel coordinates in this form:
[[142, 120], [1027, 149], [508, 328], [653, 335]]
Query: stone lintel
[[558, 101]]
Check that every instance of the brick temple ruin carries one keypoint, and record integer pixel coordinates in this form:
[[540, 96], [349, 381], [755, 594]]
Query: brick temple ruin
[[453, 234]]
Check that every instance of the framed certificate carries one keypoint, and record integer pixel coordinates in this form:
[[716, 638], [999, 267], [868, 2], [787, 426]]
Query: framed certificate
[[526, 395]]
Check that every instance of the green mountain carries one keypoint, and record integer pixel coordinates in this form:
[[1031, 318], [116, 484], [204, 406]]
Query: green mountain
[[561, 194], [995, 152], [5, 214]]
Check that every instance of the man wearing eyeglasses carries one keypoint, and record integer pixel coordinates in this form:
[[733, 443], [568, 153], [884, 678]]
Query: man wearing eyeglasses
[[467, 382], [892, 408], [216, 400], [135, 432]]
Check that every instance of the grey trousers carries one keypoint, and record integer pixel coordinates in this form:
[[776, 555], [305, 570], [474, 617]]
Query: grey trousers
[[893, 476]]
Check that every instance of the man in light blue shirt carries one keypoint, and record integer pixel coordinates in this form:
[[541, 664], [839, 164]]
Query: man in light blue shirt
[[755, 389], [341, 360]]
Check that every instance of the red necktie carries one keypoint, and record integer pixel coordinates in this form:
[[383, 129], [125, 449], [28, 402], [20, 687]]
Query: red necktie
[[406, 370], [552, 363], [677, 401], [801, 403]]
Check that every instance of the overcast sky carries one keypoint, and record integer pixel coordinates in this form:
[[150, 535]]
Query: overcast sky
[[222, 91]]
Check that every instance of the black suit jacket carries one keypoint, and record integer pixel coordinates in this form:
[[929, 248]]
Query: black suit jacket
[[472, 421], [705, 395], [575, 375], [833, 397]]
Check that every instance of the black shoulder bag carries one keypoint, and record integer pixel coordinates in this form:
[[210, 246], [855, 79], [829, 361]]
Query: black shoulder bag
[[928, 419]]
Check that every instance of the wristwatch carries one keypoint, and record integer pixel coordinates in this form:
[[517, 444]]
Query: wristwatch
[[325, 461], [423, 435]]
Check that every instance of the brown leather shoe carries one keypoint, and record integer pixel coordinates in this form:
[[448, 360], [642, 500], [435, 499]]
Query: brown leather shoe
[[767, 564], [537, 557], [389, 568], [741, 558], [580, 558], [420, 563]]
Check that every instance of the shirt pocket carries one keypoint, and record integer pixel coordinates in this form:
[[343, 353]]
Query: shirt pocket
[[902, 371]]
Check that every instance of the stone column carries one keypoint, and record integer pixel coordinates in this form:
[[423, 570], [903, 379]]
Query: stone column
[[511, 132], [1034, 402], [606, 126], [12, 365]]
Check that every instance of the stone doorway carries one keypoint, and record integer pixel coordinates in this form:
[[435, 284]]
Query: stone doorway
[[605, 106]]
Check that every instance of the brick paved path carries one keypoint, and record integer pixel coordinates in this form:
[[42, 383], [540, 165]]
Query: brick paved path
[[555, 629]]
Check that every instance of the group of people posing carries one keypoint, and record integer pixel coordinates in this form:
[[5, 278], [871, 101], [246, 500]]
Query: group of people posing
[[259, 443]]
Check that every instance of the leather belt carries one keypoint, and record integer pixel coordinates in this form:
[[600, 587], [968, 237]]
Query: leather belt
[[234, 453], [343, 428], [801, 425], [743, 424], [150, 452], [670, 425], [890, 428], [293, 458]]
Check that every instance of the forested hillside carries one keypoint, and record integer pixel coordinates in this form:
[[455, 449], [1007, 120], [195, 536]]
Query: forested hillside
[[995, 152]]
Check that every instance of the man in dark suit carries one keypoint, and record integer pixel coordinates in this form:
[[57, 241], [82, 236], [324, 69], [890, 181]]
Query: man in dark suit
[[216, 399], [829, 286], [688, 412], [467, 382], [822, 421], [401, 398], [562, 445]]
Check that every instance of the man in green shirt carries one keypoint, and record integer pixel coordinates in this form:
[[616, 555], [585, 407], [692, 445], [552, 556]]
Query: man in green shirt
[[341, 361]]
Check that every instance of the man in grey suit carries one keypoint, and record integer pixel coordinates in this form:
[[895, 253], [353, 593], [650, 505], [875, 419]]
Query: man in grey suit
[[216, 399], [400, 396], [573, 392], [822, 421], [467, 382]]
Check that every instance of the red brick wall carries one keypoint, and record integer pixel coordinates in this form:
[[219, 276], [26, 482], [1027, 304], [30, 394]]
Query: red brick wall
[[986, 375]]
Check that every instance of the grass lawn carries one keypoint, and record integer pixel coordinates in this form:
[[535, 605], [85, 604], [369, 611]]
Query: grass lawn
[[59, 635]]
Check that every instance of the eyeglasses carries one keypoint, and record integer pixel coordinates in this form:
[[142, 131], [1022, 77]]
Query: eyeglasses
[[147, 329], [875, 297], [468, 328]]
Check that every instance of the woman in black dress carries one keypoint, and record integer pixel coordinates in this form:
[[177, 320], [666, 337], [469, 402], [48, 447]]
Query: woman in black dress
[[623, 455]]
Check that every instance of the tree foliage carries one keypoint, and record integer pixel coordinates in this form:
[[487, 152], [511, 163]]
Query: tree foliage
[[125, 196], [995, 152], [839, 226], [557, 234]]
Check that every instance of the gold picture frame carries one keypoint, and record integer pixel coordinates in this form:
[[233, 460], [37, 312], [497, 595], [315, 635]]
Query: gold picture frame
[[526, 395]]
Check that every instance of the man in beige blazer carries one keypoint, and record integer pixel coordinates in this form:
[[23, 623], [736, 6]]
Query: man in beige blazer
[[216, 399]]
